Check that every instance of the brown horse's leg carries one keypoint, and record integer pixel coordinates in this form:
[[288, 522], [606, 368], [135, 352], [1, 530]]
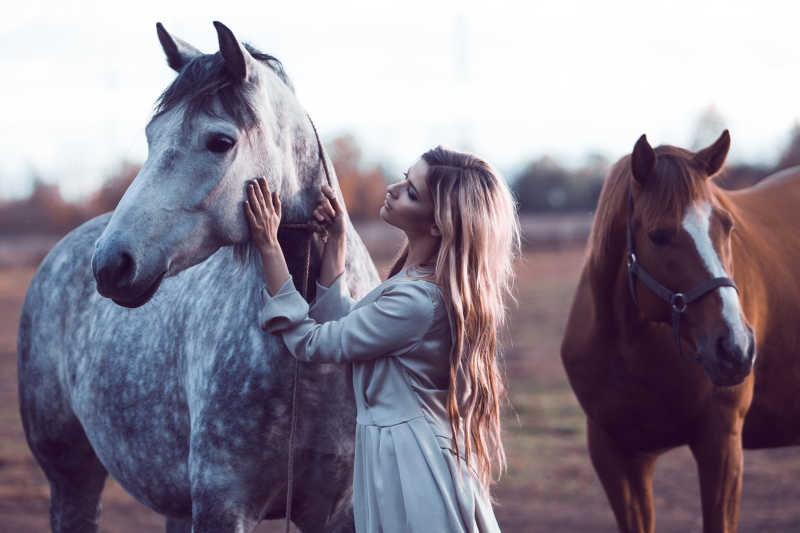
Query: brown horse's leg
[[627, 479], [718, 452]]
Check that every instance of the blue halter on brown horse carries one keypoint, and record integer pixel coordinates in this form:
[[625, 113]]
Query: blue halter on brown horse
[[677, 266]]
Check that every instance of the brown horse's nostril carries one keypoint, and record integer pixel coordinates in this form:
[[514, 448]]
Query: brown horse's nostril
[[729, 353]]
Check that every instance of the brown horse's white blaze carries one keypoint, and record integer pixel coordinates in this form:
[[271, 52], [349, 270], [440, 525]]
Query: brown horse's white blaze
[[727, 352]]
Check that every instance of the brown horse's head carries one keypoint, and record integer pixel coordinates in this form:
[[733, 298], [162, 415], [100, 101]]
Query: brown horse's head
[[682, 236]]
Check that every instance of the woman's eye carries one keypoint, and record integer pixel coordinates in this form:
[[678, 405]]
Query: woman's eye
[[411, 193], [219, 144], [660, 237]]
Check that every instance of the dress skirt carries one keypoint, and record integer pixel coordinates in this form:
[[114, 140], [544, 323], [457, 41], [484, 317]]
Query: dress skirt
[[407, 479]]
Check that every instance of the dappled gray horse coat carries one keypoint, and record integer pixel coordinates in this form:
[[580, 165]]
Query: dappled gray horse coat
[[174, 390]]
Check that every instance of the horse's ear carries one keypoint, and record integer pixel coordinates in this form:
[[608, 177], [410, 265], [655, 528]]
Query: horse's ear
[[178, 51], [237, 58], [712, 158], [643, 160]]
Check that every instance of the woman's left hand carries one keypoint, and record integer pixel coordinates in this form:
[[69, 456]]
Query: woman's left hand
[[263, 212]]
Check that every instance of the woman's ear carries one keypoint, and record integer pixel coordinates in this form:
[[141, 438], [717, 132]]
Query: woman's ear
[[435, 231]]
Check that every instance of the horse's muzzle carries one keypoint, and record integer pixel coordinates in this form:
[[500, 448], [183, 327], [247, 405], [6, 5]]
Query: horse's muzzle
[[732, 362], [118, 276]]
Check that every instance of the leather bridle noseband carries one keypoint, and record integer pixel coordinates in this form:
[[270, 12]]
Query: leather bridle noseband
[[679, 301]]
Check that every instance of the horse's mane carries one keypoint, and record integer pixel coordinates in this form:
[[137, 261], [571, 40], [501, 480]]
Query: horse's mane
[[204, 78], [674, 185]]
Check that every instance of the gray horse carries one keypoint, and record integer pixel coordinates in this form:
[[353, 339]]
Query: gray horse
[[174, 390]]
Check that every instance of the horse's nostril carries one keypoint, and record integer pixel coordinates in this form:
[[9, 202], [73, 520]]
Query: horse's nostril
[[728, 352], [723, 345], [125, 270], [115, 271]]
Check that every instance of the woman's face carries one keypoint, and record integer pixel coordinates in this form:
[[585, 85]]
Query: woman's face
[[408, 204]]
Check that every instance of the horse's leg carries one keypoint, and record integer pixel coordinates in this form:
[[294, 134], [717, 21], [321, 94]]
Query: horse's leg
[[718, 452], [627, 479], [228, 490], [175, 525], [76, 479], [59, 444]]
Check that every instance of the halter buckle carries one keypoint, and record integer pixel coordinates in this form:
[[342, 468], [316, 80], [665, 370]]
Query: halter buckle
[[679, 302], [631, 260]]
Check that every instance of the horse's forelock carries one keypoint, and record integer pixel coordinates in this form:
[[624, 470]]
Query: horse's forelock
[[205, 80], [676, 184]]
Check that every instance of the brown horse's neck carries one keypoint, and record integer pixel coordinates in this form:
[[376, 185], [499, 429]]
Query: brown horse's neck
[[615, 309]]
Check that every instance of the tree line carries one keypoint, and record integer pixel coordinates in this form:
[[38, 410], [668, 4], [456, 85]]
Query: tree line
[[542, 186]]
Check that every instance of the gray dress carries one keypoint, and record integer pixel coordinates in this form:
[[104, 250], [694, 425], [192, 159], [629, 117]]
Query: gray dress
[[398, 340]]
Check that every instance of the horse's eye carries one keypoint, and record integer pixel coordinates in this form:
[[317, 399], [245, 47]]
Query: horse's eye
[[660, 237], [219, 144], [727, 222]]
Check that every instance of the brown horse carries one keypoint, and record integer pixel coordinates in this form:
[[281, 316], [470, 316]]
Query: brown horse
[[654, 369]]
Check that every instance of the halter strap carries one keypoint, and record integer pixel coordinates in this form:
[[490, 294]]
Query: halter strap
[[678, 301], [309, 228]]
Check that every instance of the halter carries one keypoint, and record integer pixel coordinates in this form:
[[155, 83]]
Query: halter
[[310, 229], [679, 301]]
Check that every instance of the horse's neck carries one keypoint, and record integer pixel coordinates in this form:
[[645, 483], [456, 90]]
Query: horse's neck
[[608, 282]]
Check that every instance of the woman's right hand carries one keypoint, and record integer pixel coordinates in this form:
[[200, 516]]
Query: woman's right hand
[[329, 213]]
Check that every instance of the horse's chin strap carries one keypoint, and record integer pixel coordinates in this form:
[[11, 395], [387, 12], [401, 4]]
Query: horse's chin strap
[[309, 228], [678, 301]]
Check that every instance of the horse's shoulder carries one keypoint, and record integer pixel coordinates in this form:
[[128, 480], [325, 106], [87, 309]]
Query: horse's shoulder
[[71, 256]]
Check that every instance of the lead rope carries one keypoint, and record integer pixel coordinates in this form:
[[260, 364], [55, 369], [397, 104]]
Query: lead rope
[[309, 229]]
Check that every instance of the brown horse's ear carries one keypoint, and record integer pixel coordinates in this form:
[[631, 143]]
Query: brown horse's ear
[[178, 51], [712, 158], [237, 59], [643, 160]]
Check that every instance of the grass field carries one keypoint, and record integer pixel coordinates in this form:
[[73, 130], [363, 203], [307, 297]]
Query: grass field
[[550, 485]]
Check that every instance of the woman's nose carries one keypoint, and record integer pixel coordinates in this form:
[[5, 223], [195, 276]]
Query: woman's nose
[[392, 189]]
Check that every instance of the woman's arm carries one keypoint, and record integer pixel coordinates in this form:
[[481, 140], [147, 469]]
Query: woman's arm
[[392, 325]]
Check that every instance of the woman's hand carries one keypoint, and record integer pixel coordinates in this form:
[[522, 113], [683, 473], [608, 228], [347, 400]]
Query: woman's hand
[[263, 212], [329, 213]]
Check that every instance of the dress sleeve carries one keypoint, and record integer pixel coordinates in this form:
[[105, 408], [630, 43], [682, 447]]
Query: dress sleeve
[[392, 325], [331, 302]]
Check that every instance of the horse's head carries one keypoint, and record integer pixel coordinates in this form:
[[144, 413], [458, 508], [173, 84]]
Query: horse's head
[[681, 233], [226, 118]]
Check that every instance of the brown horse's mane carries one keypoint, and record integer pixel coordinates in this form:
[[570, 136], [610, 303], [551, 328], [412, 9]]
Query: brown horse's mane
[[677, 181]]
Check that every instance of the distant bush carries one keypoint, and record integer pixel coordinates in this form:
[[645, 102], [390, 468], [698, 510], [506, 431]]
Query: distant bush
[[544, 186], [46, 212], [363, 186]]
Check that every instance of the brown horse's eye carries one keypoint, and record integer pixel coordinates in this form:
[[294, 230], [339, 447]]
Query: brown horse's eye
[[219, 144], [727, 222], [661, 237]]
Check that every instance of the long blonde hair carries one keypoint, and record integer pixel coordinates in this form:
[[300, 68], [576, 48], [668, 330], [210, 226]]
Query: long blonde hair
[[477, 218]]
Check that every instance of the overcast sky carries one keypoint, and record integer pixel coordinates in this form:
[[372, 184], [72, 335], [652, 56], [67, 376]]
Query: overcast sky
[[510, 81]]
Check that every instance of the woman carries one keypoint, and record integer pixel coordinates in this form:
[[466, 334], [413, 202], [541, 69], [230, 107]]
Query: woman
[[422, 343]]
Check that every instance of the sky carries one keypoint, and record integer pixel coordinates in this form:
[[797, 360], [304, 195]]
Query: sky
[[511, 81]]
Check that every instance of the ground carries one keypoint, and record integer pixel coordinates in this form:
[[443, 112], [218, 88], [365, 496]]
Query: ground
[[550, 485]]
